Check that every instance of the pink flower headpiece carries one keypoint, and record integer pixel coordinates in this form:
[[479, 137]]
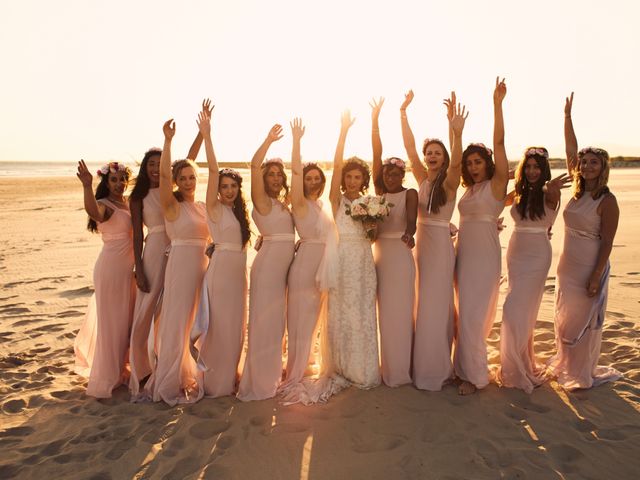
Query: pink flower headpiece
[[482, 145], [230, 171], [395, 161], [536, 151], [596, 151], [273, 160], [310, 164], [111, 167]]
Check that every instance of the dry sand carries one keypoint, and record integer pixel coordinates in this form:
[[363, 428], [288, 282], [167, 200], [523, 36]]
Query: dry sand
[[50, 428]]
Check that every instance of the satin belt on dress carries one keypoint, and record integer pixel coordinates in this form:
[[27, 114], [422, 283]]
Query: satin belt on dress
[[392, 235], [156, 229], [279, 237], [190, 242], [433, 222], [479, 218], [107, 237], [523, 229], [581, 233], [312, 240], [228, 247]]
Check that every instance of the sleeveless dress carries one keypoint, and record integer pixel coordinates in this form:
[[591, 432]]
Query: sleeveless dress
[[267, 304], [304, 298], [148, 304], [175, 378], [226, 288], [528, 262], [579, 318], [396, 274], [435, 257], [102, 343], [478, 265], [352, 335]]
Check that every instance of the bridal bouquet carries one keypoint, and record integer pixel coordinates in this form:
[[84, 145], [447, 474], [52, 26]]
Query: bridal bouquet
[[369, 210]]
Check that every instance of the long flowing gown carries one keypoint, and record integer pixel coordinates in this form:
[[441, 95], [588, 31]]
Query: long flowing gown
[[102, 343], [304, 298], [396, 274], [175, 378], [226, 284], [148, 304], [478, 265], [578, 317], [352, 334], [528, 262], [434, 331], [267, 304]]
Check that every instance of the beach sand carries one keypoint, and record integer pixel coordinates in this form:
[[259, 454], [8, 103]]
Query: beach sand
[[50, 428]]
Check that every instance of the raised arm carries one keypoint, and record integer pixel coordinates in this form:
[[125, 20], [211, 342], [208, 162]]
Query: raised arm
[[610, 215], [501, 175], [418, 169], [376, 142], [207, 108], [451, 103], [167, 200], [457, 120], [259, 197], [298, 204], [336, 179], [96, 211], [204, 127], [570, 140]]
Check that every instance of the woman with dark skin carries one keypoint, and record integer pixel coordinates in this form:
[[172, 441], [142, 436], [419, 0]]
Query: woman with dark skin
[[395, 266], [591, 220], [102, 341], [150, 265]]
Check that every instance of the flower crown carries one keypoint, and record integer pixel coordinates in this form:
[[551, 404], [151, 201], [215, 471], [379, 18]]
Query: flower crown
[[111, 167], [482, 145], [273, 160], [311, 164], [596, 151], [230, 172], [542, 152], [395, 161], [432, 140]]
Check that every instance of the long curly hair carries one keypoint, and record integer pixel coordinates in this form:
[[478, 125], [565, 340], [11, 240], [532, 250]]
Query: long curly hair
[[529, 198], [265, 171], [102, 190], [487, 156], [355, 163], [176, 168], [142, 182], [438, 195], [603, 179], [239, 205]]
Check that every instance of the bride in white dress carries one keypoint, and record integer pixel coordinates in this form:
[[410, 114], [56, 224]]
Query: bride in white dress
[[351, 337]]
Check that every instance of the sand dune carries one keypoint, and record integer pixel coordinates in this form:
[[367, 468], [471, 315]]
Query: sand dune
[[50, 427]]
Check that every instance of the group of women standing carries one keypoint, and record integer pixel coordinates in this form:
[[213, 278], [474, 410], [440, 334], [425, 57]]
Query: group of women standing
[[183, 327]]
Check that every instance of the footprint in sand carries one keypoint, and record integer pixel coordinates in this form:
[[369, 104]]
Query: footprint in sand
[[630, 284], [70, 313], [10, 471], [616, 314], [77, 292], [215, 472], [376, 443], [208, 429], [183, 468], [565, 455], [14, 406], [14, 310], [491, 455]]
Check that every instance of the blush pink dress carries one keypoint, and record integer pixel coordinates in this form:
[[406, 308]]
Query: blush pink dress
[[528, 262], [478, 264], [101, 346], [175, 378], [432, 366], [267, 304], [226, 281], [396, 273], [304, 296], [148, 304], [578, 317]]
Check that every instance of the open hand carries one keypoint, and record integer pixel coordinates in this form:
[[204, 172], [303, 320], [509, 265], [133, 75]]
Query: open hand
[[460, 115], [84, 174], [346, 121], [450, 103], [169, 129], [297, 130], [204, 124], [561, 181], [207, 107], [275, 133]]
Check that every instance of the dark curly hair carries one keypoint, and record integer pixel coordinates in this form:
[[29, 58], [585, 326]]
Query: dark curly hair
[[142, 183], [102, 191], [355, 163], [239, 205], [529, 197], [487, 156]]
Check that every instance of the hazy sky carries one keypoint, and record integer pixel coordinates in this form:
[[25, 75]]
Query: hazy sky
[[97, 79]]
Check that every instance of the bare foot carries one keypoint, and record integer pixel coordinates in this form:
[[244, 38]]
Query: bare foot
[[466, 388]]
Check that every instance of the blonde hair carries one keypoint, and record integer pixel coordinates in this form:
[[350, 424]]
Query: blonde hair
[[603, 178]]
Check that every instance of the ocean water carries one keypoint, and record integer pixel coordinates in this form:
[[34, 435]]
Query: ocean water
[[52, 169]]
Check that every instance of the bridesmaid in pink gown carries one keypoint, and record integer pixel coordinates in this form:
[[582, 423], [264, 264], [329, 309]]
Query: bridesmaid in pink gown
[[226, 277], [268, 282], [395, 265], [438, 183], [478, 260], [150, 265], [591, 220], [305, 299], [534, 206], [175, 378], [101, 345]]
